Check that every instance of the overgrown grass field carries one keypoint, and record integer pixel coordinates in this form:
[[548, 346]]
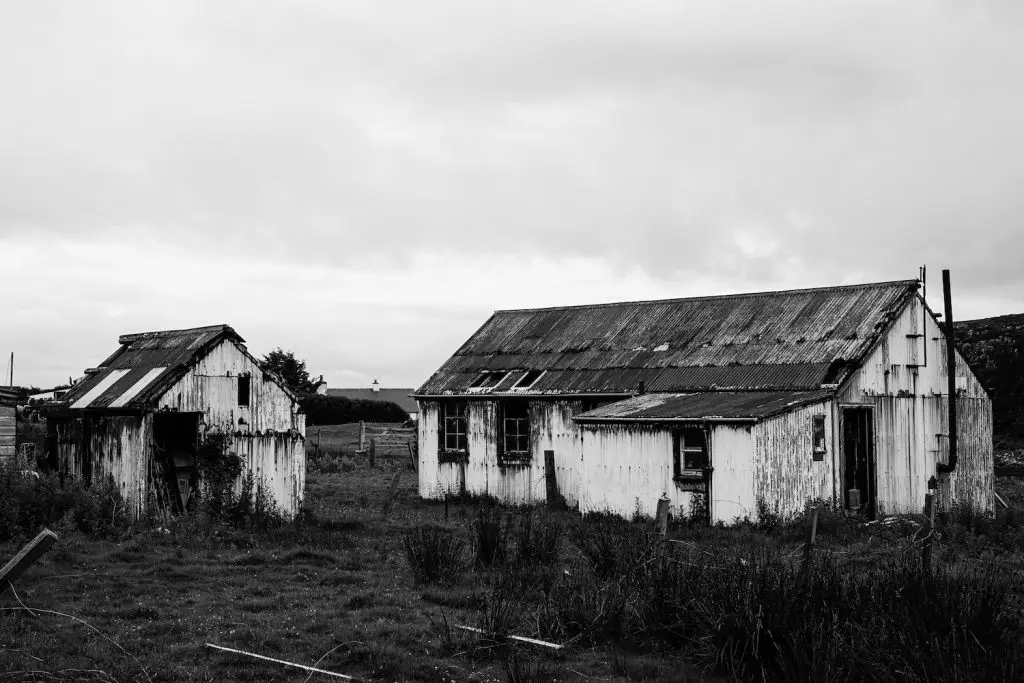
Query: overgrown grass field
[[379, 596]]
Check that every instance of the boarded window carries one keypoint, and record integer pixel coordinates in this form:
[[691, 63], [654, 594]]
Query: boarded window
[[452, 434], [690, 452], [818, 424], [244, 387], [515, 427]]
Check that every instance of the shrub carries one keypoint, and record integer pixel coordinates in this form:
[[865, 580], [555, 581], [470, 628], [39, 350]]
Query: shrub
[[27, 503], [435, 555], [333, 410]]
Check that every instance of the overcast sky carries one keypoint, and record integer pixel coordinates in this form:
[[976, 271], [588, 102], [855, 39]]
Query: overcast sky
[[364, 182]]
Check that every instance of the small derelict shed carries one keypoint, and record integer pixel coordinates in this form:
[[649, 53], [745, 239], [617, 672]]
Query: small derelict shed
[[8, 426], [141, 415], [725, 405]]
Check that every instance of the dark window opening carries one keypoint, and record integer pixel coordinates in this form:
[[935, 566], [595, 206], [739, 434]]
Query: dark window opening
[[690, 453], [528, 379], [515, 428], [818, 424], [488, 379], [452, 434], [244, 382]]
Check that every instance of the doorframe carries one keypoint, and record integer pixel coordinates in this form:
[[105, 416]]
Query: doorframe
[[873, 481]]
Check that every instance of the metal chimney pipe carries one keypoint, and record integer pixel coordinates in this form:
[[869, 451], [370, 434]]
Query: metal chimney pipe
[[950, 465]]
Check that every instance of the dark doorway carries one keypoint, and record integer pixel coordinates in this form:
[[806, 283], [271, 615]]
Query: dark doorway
[[860, 489], [175, 436]]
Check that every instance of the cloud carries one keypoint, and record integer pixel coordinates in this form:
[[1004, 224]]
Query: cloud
[[731, 144]]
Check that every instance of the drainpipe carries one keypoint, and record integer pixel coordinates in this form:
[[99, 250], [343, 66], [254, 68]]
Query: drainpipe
[[945, 468]]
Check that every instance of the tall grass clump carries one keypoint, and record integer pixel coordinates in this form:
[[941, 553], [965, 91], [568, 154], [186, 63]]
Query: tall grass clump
[[435, 555], [612, 545], [536, 535], [488, 532]]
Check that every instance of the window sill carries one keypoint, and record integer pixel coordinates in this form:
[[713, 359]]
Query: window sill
[[517, 458], [444, 456], [690, 475]]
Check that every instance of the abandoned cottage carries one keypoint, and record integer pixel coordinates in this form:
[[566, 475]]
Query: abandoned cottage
[[141, 415], [725, 405]]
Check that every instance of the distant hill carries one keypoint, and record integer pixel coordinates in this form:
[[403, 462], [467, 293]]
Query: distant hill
[[995, 349]]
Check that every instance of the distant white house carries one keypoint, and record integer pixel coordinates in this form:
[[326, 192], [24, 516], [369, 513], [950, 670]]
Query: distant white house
[[402, 397]]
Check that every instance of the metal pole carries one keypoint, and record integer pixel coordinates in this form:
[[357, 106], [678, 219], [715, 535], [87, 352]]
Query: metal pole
[[950, 464]]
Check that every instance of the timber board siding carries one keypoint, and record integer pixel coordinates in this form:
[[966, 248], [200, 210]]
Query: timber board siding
[[551, 428], [910, 417], [786, 475], [271, 442], [8, 430]]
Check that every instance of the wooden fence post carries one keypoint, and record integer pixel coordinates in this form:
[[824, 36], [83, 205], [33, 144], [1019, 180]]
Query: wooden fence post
[[412, 457], [812, 537], [661, 529], [926, 550], [661, 518], [26, 558], [373, 452], [362, 435], [389, 497]]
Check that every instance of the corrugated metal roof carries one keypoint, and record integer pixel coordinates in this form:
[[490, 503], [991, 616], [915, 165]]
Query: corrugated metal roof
[[797, 339], [144, 367], [714, 405], [399, 396]]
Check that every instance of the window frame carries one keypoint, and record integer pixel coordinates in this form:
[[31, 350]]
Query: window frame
[[819, 436], [517, 427], [533, 376], [244, 390], [488, 379], [459, 418], [680, 451]]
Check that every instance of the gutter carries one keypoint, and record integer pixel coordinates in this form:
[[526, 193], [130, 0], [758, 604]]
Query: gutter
[[691, 420], [433, 397]]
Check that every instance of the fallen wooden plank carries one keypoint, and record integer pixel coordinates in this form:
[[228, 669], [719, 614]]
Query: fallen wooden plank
[[532, 641], [26, 558], [999, 499], [312, 669]]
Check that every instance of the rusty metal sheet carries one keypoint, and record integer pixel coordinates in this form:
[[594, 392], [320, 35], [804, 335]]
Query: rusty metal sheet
[[144, 364], [795, 339], [739, 405]]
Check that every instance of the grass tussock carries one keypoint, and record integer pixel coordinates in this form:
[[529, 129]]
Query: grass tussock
[[435, 555]]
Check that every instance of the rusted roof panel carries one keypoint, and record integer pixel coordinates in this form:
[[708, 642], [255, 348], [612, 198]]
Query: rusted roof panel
[[143, 367], [718, 405], [795, 339]]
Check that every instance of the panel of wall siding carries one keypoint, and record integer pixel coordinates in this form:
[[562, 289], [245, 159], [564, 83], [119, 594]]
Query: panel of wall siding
[[786, 474]]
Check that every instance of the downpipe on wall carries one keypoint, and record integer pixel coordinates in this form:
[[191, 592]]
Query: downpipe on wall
[[950, 464]]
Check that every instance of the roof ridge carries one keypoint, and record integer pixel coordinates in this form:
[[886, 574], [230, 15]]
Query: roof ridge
[[865, 285], [128, 338]]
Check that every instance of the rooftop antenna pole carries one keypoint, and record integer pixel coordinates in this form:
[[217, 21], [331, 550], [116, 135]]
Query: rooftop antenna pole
[[12, 369]]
